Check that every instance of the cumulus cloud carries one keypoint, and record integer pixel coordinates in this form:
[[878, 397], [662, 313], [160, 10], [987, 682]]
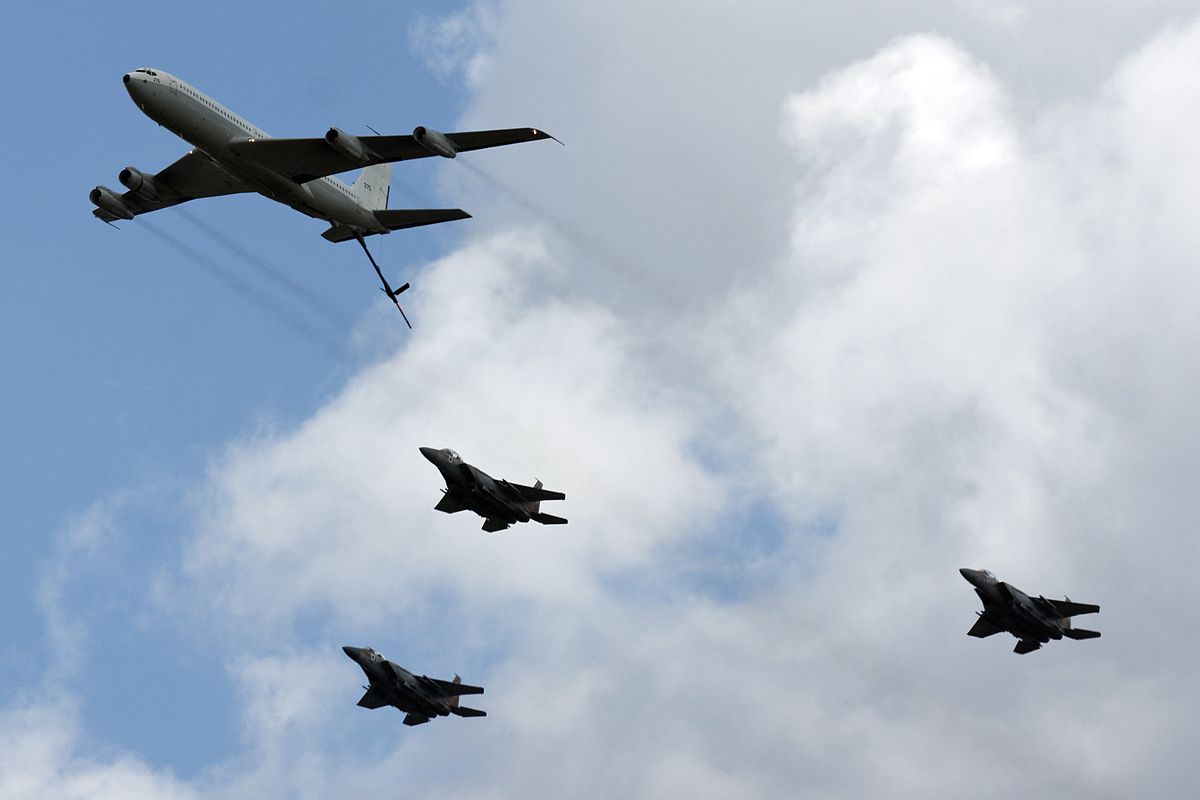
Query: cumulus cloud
[[41, 758], [80, 541], [456, 44], [341, 510], [907, 368]]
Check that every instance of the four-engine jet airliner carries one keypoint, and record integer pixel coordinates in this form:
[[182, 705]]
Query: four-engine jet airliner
[[421, 698], [232, 156], [1033, 620], [499, 502]]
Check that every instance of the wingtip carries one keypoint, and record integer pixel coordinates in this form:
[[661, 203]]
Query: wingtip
[[548, 135]]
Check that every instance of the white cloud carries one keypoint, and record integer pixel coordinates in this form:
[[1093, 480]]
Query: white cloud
[[902, 367], [998, 12], [41, 758], [456, 44], [956, 334], [342, 509]]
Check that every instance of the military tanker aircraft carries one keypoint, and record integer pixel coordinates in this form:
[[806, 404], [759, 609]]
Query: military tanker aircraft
[[232, 156]]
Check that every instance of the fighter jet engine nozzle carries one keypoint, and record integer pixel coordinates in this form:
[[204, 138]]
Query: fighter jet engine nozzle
[[138, 182], [106, 199], [346, 144], [435, 142]]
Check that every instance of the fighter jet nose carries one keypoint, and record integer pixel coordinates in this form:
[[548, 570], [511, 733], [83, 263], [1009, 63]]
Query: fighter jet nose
[[973, 576], [978, 577], [350, 651], [429, 452]]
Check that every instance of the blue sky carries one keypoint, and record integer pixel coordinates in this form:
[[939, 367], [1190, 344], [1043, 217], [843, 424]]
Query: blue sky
[[128, 364], [818, 304]]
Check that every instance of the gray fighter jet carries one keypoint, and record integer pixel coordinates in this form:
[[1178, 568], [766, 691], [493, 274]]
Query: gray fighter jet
[[421, 698], [499, 502], [1033, 620]]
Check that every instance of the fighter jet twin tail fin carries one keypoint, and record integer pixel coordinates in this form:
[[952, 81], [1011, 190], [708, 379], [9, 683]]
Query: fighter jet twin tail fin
[[455, 708], [1073, 609], [537, 494]]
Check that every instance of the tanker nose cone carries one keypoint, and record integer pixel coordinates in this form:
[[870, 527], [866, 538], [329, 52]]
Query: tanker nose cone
[[135, 85]]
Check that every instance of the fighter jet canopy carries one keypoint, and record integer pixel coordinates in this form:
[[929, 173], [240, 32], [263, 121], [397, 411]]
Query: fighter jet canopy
[[988, 576], [452, 457]]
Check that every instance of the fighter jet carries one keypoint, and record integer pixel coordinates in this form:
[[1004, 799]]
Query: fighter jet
[[1033, 620], [421, 698], [499, 502]]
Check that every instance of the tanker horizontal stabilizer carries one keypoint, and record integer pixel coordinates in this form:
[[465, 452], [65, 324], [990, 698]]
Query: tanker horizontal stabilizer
[[397, 219]]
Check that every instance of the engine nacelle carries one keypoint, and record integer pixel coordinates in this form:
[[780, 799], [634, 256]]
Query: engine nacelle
[[346, 144], [435, 142], [105, 198], [138, 182]]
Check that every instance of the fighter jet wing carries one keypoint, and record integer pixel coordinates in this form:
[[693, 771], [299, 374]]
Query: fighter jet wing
[[437, 688], [305, 160], [190, 178], [984, 628], [1066, 608], [450, 504], [494, 525], [534, 493], [372, 699]]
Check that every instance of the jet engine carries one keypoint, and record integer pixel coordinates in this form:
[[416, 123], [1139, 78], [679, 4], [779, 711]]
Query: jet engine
[[435, 142], [104, 197], [138, 182], [346, 144]]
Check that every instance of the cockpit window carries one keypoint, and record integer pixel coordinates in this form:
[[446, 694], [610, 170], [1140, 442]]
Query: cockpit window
[[989, 577], [375, 656], [452, 456]]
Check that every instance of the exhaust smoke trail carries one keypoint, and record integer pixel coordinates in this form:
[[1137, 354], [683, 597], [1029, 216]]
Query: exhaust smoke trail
[[251, 293], [586, 242], [316, 303]]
